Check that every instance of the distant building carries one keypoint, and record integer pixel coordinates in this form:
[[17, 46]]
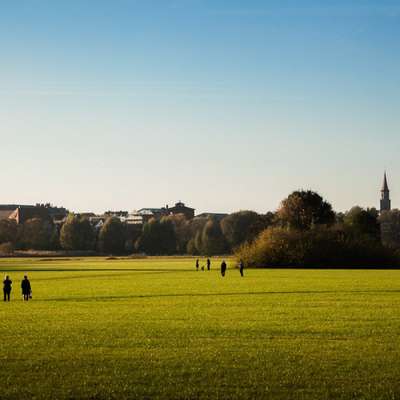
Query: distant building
[[389, 220], [146, 214], [180, 208], [21, 213], [385, 195], [7, 209], [97, 222], [134, 218], [57, 214], [117, 214]]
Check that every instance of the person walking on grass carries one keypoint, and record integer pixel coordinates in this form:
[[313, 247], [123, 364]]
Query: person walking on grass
[[7, 286], [208, 264], [223, 268], [197, 264], [241, 267], [26, 288]]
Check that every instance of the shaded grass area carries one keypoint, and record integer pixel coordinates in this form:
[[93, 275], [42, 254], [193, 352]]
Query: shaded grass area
[[156, 328]]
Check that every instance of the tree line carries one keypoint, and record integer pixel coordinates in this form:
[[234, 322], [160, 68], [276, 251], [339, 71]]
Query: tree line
[[173, 234], [305, 230]]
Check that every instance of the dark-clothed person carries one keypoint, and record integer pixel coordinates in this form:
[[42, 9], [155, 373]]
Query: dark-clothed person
[[7, 286], [26, 288], [208, 264], [241, 267], [197, 264], [223, 268]]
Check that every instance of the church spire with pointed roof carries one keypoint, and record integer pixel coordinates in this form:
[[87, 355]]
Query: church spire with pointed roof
[[385, 195], [385, 187]]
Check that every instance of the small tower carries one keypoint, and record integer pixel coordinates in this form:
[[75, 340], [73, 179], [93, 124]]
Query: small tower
[[385, 195]]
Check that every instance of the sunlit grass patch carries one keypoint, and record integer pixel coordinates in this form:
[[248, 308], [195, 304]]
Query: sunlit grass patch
[[156, 328]]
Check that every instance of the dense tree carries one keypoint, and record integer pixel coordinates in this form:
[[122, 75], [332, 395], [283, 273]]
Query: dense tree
[[320, 246], [191, 247], [390, 224], [158, 237], [168, 242], [147, 240], [39, 234], [112, 236], [363, 222], [196, 225], [308, 236], [7, 248], [212, 239], [304, 209], [243, 226], [129, 246], [77, 234], [195, 230], [182, 230], [8, 231], [339, 217], [133, 233], [198, 240]]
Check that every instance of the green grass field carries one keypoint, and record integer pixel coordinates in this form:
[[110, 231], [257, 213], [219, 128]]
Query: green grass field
[[156, 328]]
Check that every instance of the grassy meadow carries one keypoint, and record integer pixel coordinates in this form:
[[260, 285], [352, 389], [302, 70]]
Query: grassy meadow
[[156, 328]]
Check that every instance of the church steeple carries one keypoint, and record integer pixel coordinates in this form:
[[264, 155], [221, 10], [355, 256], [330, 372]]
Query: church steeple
[[385, 195]]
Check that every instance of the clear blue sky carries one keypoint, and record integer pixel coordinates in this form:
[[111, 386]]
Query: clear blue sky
[[223, 104]]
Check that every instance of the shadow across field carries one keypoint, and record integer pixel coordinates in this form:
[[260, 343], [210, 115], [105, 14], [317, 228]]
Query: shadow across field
[[264, 293], [103, 276], [106, 273], [29, 270]]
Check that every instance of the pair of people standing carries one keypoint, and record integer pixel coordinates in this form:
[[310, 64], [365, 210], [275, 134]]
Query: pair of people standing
[[25, 286], [208, 265], [224, 267]]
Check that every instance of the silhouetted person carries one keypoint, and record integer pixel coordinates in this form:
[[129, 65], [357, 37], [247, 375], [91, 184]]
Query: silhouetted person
[[197, 264], [7, 286], [241, 267], [223, 268], [26, 288], [208, 264]]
